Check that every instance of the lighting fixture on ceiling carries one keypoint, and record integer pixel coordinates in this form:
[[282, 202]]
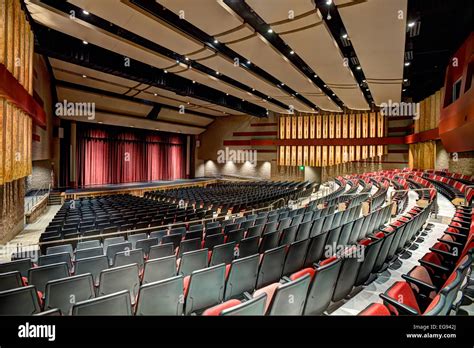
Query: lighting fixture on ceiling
[[270, 31], [407, 63], [411, 24], [328, 2], [85, 12], [166, 71], [217, 73], [358, 67], [216, 41], [249, 62], [85, 42], [155, 94], [292, 52], [405, 80], [344, 36], [186, 58], [194, 81], [84, 76]]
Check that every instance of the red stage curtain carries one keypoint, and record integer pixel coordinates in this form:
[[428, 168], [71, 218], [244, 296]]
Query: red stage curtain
[[114, 155]]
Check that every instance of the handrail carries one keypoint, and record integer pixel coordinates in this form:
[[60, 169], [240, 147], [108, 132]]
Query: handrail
[[35, 196]]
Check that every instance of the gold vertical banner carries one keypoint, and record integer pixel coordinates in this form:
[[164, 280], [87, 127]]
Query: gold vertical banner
[[319, 127], [16, 39], [10, 61], [288, 155], [306, 127], [293, 155], [318, 162], [325, 126], [21, 50], [345, 126], [380, 150], [380, 125], [282, 156], [365, 125], [300, 156], [330, 155], [324, 156], [331, 126], [352, 126], [338, 125], [282, 127], [8, 143], [357, 153], [373, 124], [372, 151], [364, 152], [345, 154], [305, 156], [293, 127], [352, 156], [32, 45], [288, 127], [300, 127], [358, 126], [312, 160], [338, 159], [312, 127]]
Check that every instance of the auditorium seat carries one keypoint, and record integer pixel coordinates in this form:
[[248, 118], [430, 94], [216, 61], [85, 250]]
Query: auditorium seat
[[210, 241], [133, 238], [252, 306], [316, 249], [192, 261], [65, 248], [118, 303], [19, 301], [271, 266], [39, 276], [162, 250], [295, 256], [158, 234], [10, 280], [49, 313], [371, 251], [193, 235], [159, 269], [303, 230], [113, 249], [286, 298], [127, 257], [146, 244], [204, 289], [223, 253], [94, 243], [375, 309], [164, 297], [269, 241], [93, 265], [175, 239], [89, 252], [351, 263], [248, 246], [112, 240], [55, 258], [235, 235], [21, 265], [255, 231], [323, 281], [241, 276], [63, 293], [119, 278]]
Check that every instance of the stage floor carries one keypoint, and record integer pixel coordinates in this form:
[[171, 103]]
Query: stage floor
[[134, 185]]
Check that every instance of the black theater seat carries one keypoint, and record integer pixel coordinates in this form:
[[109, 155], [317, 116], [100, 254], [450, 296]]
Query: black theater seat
[[19, 301], [118, 303], [163, 297]]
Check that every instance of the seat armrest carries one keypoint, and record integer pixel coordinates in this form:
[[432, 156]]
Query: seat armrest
[[448, 242], [247, 296], [402, 308], [434, 266], [285, 279], [419, 283], [454, 234]]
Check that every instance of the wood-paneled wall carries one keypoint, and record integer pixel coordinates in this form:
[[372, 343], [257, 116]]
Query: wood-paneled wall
[[16, 54], [329, 126]]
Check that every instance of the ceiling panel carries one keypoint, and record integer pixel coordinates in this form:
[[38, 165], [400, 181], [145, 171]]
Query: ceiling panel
[[381, 50], [307, 35]]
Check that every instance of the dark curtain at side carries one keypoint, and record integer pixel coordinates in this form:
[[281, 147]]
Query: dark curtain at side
[[115, 155]]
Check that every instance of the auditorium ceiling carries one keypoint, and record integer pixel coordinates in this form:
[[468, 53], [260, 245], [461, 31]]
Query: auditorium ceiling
[[178, 64]]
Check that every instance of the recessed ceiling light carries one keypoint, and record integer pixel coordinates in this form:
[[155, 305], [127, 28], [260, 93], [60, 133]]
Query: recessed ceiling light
[[155, 94], [177, 61], [333, 94], [186, 58], [328, 2], [216, 41], [217, 73], [166, 71], [296, 93], [85, 12], [292, 52], [344, 36], [84, 76], [405, 80], [325, 85], [270, 31], [358, 67], [100, 122], [157, 129], [227, 94], [364, 81], [85, 42], [282, 84], [194, 81], [188, 103], [411, 24], [404, 89], [315, 76], [407, 63], [132, 126], [249, 62], [253, 89]]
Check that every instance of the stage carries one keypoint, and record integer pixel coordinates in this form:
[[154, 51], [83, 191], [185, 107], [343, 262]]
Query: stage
[[135, 188]]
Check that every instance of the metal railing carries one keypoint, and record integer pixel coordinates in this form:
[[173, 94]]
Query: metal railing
[[37, 196]]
